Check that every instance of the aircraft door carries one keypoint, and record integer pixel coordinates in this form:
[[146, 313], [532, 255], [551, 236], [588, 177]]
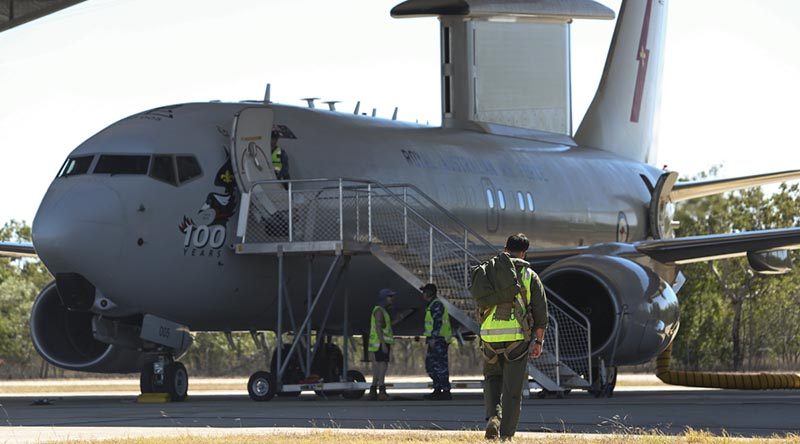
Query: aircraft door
[[252, 154], [492, 210], [252, 159]]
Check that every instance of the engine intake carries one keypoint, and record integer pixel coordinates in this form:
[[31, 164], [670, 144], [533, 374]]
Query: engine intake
[[620, 296], [64, 338]]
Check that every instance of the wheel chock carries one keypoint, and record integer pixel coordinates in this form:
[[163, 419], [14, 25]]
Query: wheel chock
[[153, 398]]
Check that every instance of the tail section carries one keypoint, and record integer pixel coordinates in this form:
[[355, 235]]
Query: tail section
[[622, 117]]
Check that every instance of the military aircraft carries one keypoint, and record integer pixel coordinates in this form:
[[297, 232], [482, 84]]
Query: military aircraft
[[173, 220]]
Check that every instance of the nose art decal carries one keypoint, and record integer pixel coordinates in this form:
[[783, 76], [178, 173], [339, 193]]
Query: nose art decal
[[205, 233]]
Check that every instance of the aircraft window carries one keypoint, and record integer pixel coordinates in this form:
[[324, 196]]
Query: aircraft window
[[188, 168], [520, 201], [76, 165], [163, 169], [501, 199], [490, 198], [531, 206], [120, 164]]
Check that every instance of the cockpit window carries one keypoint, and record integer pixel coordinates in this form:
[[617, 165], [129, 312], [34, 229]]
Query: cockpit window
[[121, 164], [163, 169], [188, 168], [76, 165]]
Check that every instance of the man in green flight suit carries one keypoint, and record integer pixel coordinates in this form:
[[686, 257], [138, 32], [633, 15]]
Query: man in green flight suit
[[512, 331]]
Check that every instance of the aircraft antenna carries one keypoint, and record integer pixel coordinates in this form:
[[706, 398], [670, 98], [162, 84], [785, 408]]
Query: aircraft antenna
[[332, 104], [267, 94], [394, 114], [358, 107], [374, 111], [310, 101]]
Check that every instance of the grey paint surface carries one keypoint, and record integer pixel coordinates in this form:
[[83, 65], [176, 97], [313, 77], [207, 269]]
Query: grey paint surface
[[17, 12], [669, 412], [100, 215]]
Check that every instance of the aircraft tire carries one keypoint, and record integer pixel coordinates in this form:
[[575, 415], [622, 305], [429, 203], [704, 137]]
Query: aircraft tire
[[612, 383], [354, 376], [176, 381], [606, 390], [146, 379], [261, 386]]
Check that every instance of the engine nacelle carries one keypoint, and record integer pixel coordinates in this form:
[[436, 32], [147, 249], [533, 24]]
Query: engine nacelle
[[65, 339], [618, 295]]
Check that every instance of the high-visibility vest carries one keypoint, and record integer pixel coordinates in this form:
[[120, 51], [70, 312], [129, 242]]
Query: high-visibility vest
[[388, 336], [497, 330], [277, 163], [445, 331]]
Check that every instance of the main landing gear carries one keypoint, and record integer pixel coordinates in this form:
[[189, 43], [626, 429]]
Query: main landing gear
[[605, 381], [165, 375]]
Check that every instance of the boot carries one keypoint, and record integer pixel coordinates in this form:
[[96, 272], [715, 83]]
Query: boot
[[373, 393], [434, 395], [493, 428], [382, 396], [445, 396]]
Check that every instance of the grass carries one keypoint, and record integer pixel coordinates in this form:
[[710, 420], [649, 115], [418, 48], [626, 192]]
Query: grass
[[424, 437]]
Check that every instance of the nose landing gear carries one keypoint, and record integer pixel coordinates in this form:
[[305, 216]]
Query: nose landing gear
[[165, 375]]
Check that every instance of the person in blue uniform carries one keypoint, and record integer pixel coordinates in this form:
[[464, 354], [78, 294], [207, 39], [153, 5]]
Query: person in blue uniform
[[437, 338]]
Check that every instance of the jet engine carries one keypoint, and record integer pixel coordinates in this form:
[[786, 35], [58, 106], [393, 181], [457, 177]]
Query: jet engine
[[65, 338], [633, 313]]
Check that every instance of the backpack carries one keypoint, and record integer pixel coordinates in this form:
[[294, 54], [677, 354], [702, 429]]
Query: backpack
[[494, 282]]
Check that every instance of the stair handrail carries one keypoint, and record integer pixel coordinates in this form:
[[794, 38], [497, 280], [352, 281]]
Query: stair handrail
[[386, 187], [443, 210], [588, 327], [394, 196]]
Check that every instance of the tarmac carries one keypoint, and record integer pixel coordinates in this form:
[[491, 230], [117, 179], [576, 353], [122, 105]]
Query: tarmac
[[26, 418]]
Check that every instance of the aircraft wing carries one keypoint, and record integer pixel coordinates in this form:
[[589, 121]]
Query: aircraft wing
[[17, 249], [718, 246], [692, 190], [683, 250]]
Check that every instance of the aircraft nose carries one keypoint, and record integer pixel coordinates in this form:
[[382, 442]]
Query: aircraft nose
[[78, 228]]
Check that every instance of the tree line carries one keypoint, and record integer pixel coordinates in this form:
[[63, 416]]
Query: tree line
[[731, 317]]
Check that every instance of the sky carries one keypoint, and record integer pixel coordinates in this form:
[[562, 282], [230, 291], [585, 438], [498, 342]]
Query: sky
[[730, 85]]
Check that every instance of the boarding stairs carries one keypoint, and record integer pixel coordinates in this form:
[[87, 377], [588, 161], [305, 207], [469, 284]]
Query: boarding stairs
[[412, 235]]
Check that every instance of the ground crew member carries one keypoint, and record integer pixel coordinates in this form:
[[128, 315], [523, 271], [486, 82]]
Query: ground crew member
[[381, 339], [280, 160], [507, 341], [437, 338]]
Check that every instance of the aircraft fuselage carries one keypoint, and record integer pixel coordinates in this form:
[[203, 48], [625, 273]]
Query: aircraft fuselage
[[154, 247]]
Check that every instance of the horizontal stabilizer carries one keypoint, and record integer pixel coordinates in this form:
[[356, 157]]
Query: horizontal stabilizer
[[692, 190], [718, 246], [17, 249]]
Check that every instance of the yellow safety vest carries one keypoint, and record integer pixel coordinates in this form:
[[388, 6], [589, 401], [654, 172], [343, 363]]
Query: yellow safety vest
[[445, 331], [277, 163], [497, 330], [388, 336]]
